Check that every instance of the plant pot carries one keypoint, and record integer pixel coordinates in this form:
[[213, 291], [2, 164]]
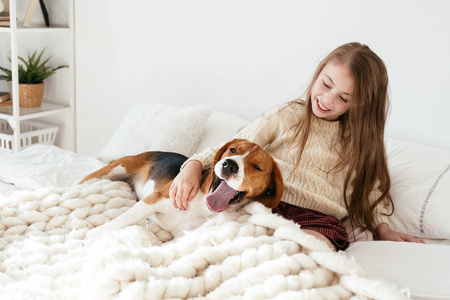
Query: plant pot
[[30, 95]]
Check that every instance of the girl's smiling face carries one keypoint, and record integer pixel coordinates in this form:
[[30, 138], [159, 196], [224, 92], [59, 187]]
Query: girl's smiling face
[[331, 93]]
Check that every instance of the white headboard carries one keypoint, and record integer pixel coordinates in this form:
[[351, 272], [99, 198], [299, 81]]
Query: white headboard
[[244, 57]]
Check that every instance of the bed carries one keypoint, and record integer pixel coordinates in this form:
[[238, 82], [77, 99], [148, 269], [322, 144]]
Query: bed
[[250, 254]]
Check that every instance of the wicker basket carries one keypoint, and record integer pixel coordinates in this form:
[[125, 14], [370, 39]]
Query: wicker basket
[[30, 95], [31, 132]]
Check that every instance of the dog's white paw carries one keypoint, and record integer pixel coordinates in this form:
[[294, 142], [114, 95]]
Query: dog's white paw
[[97, 234]]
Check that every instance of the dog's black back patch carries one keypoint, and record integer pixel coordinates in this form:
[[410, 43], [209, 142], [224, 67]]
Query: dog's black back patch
[[166, 165]]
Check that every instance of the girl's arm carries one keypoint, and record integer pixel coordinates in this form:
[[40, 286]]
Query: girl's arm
[[385, 233], [382, 229], [186, 184]]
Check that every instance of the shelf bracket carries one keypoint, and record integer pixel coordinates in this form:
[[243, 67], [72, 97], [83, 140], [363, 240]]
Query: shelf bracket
[[11, 122]]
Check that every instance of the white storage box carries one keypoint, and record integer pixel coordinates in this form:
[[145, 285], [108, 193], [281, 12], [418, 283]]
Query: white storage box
[[31, 132]]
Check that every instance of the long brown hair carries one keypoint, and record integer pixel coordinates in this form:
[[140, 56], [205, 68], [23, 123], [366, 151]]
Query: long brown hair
[[361, 130]]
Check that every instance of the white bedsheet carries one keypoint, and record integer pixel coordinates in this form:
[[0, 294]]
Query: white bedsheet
[[43, 166], [7, 189], [422, 269]]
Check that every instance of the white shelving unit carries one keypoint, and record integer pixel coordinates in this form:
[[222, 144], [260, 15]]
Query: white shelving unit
[[59, 96]]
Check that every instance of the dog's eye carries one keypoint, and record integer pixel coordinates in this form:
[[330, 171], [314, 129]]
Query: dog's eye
[[232, 150], [256, 167]]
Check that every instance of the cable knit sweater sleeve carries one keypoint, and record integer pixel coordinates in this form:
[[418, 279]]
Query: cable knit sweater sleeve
[[261, 131], [381, 210]]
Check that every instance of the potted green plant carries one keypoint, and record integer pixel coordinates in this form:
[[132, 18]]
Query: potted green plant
[[31, 78]]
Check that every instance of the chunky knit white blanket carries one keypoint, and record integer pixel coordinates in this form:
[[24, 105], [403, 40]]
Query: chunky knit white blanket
[[250, 254]]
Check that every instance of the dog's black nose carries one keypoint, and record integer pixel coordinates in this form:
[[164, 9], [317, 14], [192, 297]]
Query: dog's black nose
[[230, 166]]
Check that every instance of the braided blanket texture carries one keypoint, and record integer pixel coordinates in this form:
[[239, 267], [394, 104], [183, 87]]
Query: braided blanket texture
[[250, 254]]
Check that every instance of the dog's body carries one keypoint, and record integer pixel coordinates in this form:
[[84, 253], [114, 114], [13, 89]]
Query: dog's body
[[242, 172]]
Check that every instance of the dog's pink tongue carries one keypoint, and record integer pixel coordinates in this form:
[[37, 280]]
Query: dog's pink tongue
[[219, 199]]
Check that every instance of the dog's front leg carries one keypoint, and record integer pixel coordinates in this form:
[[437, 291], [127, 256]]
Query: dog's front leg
[[138, 212]]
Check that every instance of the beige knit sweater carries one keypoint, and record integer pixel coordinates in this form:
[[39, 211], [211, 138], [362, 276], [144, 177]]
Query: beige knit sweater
[[309, 185]]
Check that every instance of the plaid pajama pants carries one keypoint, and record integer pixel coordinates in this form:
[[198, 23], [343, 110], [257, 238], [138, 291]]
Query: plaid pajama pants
[[328, 226]]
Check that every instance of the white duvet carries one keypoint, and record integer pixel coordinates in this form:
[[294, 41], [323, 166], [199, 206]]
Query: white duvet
[[250, 254], [43, 166]]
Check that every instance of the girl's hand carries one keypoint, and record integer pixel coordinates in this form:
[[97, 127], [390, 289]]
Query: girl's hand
[[387, 234], [185, 186]]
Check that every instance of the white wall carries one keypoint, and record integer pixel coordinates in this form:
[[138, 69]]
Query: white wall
[[244, 57]]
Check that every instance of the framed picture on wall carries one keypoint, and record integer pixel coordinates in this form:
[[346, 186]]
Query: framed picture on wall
[[30, 12], [4, 8]]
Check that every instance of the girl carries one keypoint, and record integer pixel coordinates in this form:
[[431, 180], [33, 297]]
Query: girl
[[330, 150]]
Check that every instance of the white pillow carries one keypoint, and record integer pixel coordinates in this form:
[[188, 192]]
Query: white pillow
[[220, 128], [157, 127], [420, 189]]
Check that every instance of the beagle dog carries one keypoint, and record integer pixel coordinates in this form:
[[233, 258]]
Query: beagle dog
[[242, 172]]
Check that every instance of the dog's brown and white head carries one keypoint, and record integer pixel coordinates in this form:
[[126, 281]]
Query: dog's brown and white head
[[242, 170]]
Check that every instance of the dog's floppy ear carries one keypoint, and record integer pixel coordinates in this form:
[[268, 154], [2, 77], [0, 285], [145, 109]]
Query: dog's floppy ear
[[206, 185], [272, 195]]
